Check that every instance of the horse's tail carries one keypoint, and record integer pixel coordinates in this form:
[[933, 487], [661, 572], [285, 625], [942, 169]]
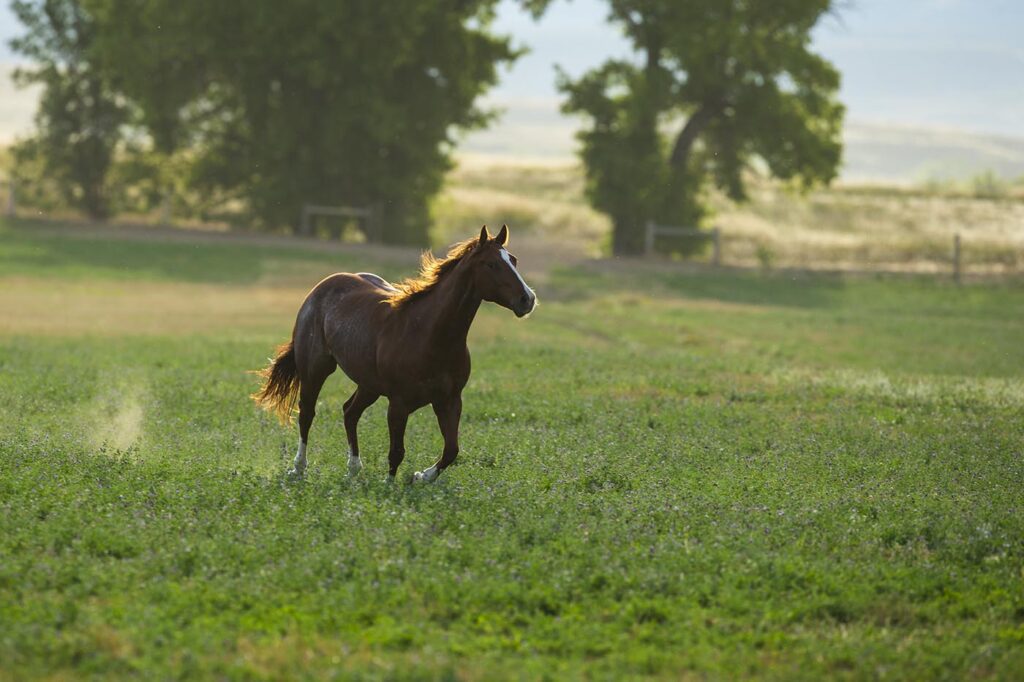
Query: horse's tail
[[280, 389]]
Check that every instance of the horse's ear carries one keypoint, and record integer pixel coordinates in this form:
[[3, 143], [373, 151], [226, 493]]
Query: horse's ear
[[502, 237], [484, 234]]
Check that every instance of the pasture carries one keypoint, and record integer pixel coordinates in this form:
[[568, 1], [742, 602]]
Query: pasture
[[664, 473]]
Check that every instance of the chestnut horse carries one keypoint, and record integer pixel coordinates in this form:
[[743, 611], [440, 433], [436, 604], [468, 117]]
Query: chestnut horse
[[404, 341]]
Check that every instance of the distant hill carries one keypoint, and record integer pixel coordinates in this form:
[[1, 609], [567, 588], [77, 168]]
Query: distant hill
[[532, 129], [901, 154], [873, 152]]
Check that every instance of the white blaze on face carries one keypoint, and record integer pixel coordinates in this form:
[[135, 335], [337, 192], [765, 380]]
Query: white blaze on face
[[505, 257]]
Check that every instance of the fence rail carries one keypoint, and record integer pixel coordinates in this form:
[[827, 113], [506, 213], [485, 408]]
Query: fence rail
[[653, 230], [365, 215]]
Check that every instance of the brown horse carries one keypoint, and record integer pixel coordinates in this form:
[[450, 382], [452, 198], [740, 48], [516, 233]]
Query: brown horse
[[405, 341]]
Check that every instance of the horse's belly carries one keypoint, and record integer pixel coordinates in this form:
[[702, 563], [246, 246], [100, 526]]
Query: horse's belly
[[417, 380]]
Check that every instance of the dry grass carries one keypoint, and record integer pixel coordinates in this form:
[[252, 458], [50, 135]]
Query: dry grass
[[869, 228], [842, 228], [545, 202], [111, 308], [70, 308]]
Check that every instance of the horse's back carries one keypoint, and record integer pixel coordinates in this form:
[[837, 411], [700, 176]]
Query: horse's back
[[378, 281]]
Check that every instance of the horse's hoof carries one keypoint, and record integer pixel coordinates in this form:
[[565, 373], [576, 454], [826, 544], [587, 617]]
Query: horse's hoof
[[426, 476], [355, 465], [296, 474]]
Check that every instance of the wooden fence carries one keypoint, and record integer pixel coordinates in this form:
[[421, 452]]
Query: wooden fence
[[365, 216], [715, 235], [653, 231]]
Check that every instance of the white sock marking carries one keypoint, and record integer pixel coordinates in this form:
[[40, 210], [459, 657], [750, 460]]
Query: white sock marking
[[427, 475], [354, 464], [299, 463]]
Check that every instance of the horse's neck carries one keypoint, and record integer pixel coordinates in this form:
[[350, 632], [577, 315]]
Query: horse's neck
[[453, 306]]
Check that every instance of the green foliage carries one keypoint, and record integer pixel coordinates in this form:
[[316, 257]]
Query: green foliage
[[743, 79], [317, 102], [79, 120], [259, 106], [988, 185], [663, 475]]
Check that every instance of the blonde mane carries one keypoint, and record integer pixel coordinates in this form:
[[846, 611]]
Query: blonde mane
[[431, 271]]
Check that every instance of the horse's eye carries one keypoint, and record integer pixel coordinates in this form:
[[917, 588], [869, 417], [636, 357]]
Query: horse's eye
[[515, 261]]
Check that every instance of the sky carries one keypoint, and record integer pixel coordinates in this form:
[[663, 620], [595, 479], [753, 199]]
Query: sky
[[919, 63], [953, 65]]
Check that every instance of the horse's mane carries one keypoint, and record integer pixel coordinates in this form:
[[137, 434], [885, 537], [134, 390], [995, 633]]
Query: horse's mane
[[431, 271]]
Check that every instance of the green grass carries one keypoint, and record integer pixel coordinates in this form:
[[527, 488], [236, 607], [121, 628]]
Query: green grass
[[663, 474]]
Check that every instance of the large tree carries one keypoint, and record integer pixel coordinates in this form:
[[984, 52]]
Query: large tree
[[79, 119], [340, 103], [718, 85]]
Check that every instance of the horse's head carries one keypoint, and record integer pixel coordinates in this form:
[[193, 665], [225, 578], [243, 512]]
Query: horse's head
[[495, 276]]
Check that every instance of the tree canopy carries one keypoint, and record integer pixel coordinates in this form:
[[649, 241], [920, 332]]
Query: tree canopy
[[274, 105], [309, 102], [79, 115], [719, 84]]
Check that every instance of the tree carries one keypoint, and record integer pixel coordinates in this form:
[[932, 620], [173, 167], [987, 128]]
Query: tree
[[79, 118], [341, 103], [720, 83]]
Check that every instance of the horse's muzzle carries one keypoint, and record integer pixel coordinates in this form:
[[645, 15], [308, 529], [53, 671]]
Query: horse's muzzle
[[525, 305]]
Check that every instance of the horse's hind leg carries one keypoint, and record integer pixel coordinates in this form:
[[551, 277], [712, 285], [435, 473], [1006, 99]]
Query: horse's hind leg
[[354, 408], [309, 390]]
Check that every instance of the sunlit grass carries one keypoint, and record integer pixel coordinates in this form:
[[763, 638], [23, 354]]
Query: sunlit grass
[[664, 473]]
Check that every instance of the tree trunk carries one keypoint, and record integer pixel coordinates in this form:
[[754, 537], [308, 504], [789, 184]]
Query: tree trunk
[[682, 202], [695, 125], [404, 226], [627, 237]]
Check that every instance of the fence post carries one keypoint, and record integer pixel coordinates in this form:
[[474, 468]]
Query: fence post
[[956, 258], [304, 229], [716, 247], [10, 199], [649, 238]]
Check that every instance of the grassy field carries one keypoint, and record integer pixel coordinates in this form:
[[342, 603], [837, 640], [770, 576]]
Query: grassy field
[[664, 474]]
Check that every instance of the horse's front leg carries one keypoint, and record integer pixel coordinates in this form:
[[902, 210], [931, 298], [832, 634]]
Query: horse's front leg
[[398, 417], [448, 412]]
